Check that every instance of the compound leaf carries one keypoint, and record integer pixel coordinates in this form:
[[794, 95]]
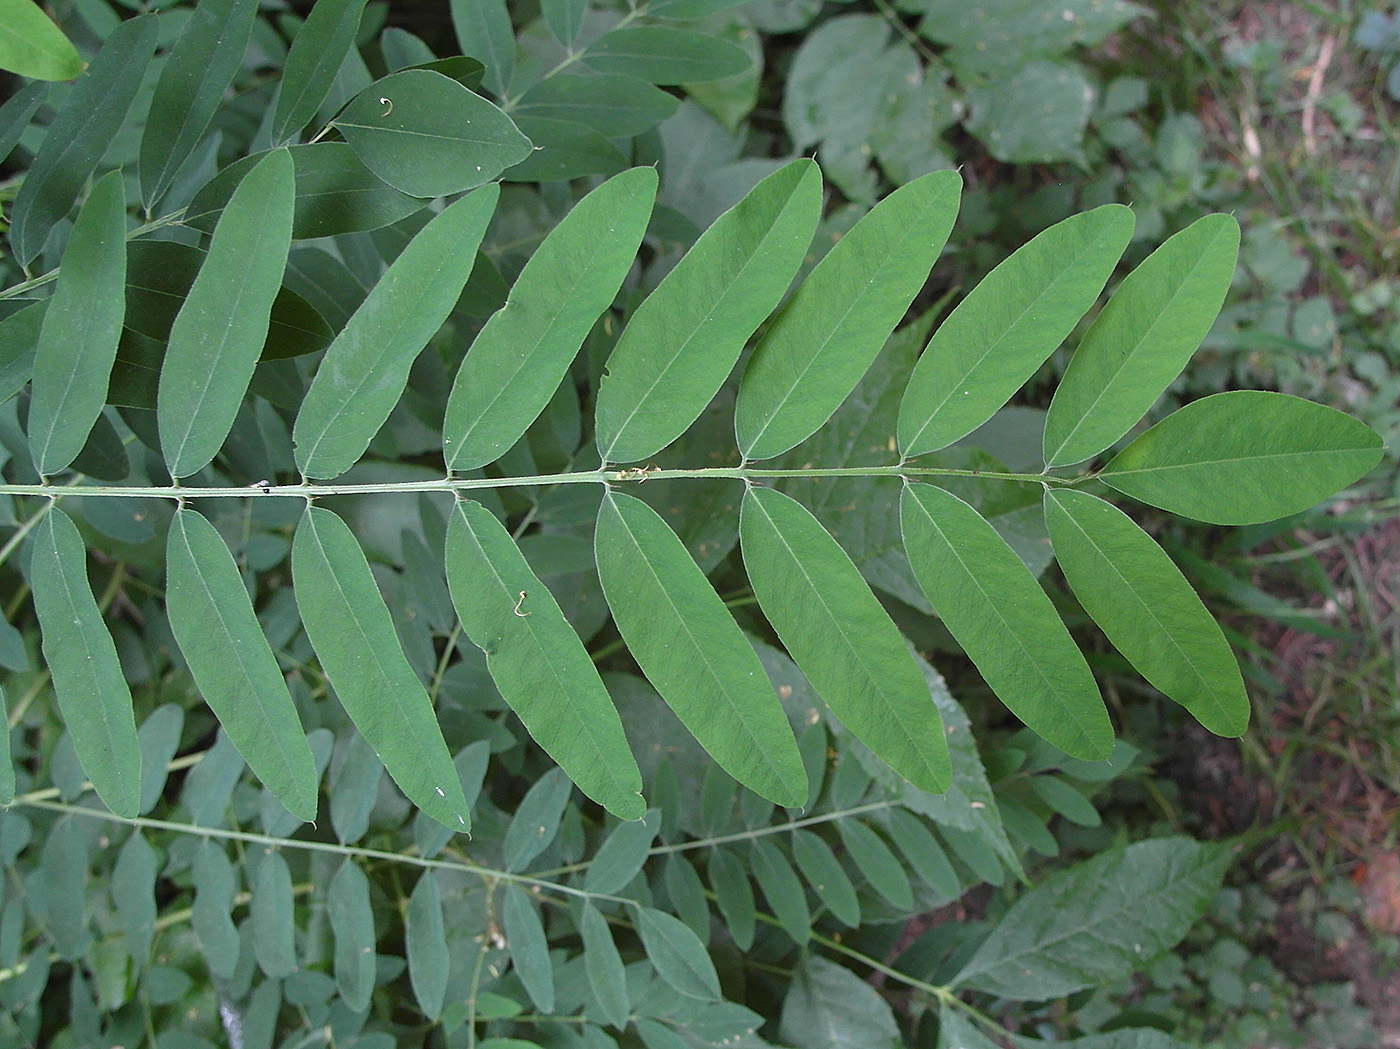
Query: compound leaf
[[841, 637], [537, 660], [274, 926], [219, 333], [426, 943], [878, 863], [92, 113], [1142, 340], [1006, 328], [606, 976], [320, 46], [81, 327], [683, 340], [516, 362], [679, 956], [693, 652], [733, 896], [196, 73], [363, 373], [353, 635], [428, 136], [215, 882], [826, 337], [622, 855], [352, 923], [826, 876], [536, 821], [32, 46], [1001, 617], [529, 949], [217, 630], [782, 888], [1140, 599], [1245, 457], [87, 676]]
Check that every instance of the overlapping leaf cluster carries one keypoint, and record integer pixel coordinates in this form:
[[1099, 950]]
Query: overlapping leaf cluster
[[396, 487]]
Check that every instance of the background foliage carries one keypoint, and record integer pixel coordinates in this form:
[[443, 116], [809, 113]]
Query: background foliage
[[717, 917]]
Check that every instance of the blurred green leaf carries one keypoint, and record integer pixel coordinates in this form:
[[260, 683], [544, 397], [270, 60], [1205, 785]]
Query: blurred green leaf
[[274, 924], [536, 821], [352, 924], [529, 949], [33, 46], [318, 49], [426, 943], [606, 977], [664, 55]]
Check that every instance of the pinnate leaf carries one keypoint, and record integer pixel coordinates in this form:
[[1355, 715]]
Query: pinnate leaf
[[693, 652], [428, 136], [826, 337], [87, 676], [517, 361], [1001, 617], [841, 637], [363, 373], [1245, 457], [78, 339], [537, 661], [682, 342], [1142, 340], [353, 635], [219, 333], [218, 632], [1140, 599], [1006, 328]]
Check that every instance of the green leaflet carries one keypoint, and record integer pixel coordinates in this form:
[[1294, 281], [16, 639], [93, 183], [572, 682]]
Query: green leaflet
[[782, 889], [1097, 920], [826, 876], [355, 790], [1140, 599], [693, 652], [17, 112], [214, 885], [7, 769], [529, 949], [841, 637], [350, 629], [352, 923], [134, 892], [517, 361], [1245, 457], [219, 333], [426, 943], [365, 369], [1142, 340], [428, 136], [536, 821], [335, 193], [826, 337], [63, 871], [1002, 619], [483, 29], [612, 104], [733, 896], [78, 339], [537, 661], [219, 635], [683, 340], [622, 855], [321, 44], [878, 863], [835, 1004], [92, 113], [31, 45], [678, 955], [606, 976], [564, 18], [274, 925], [87, 678], [197, 71], [564, 150], [1006, 328], [664, 55]]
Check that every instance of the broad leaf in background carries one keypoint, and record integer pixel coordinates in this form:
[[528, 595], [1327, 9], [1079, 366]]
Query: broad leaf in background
[[1002, 619], [427, 135], [606, 976], [221, 640], [196, 73], [1142, 340], [484, 31], [1245, 457], [353, 635], [352, 923], [78, 340], [517, 361], [1140, 599], [425, 941], [7, 770], [841, 637], [537, 661], [691, 649], [683, 340], [219, 333], [33, 46], [829, 1007], [664, 55], [92, 113], [318, 50], [678, 954], [614, 105], [828, 334], [1097, 920], [363, 373], [87, 677], [529, 949], [271, 917], [1010, 323]]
